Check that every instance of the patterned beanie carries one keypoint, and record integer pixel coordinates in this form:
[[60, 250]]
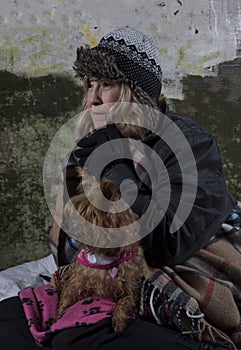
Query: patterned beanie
[[124, 55]]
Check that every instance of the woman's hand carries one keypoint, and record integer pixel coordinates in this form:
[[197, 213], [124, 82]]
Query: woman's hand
[[88, 144], [118, 170]]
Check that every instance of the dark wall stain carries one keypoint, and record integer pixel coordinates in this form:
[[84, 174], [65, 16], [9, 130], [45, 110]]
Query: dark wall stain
[[214, 102], [49, 95], [32, 110]]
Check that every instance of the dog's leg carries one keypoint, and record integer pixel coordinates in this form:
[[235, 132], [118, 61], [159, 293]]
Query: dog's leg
[[121, 312]]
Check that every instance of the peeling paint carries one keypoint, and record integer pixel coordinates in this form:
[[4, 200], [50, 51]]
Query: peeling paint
[[47, 33], [180, 55], [207, 58], [90, 37], [153, 27]]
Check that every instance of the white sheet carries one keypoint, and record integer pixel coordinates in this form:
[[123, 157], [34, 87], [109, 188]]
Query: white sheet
[[21, 276]]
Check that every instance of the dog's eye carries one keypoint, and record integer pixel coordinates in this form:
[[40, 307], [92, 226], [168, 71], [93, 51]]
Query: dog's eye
[[73, 242]]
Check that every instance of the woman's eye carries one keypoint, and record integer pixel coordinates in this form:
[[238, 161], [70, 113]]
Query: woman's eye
[[106, 84], [89, 85]]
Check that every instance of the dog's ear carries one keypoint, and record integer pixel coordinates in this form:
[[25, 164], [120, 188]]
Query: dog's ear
[[109, 190], [84, 178], [107, 186], [79, 171]]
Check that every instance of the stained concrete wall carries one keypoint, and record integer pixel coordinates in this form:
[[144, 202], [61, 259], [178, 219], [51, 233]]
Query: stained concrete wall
[[40, 36], [200, 46]]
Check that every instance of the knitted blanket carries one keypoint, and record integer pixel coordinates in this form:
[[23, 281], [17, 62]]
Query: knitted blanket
[[40, 307], [201, 297]]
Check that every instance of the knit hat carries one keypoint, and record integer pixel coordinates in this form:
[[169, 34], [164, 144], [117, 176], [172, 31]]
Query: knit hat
[[124, 55]]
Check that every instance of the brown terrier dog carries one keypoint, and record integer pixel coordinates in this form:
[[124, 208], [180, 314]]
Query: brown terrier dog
[[114, 273]]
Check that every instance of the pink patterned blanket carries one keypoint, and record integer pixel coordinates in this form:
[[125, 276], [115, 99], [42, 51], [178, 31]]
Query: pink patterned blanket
[[40, 307]]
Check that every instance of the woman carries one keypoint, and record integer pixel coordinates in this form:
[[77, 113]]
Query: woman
[[125, 67]]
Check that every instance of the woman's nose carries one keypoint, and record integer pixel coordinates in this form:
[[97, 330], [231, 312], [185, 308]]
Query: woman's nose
[[95, 96]]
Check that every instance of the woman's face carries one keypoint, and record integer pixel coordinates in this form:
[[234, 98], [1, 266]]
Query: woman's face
[[101, 92], [100, 96]]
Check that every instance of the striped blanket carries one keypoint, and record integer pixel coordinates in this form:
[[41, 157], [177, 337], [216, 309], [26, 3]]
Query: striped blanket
[[202, 297]]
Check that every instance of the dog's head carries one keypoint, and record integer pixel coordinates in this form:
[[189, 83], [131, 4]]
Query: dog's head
[[92, 218]]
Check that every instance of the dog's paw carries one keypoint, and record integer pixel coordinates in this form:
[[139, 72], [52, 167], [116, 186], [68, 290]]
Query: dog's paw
[[118, 324]]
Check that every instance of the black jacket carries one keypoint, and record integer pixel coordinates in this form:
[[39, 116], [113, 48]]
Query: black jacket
[[212, 201], [212, 204]]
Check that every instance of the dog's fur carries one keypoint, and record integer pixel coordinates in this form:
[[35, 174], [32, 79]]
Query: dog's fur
[[76, 281]]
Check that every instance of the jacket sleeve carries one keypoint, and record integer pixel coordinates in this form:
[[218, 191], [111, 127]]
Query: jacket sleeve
[[212, 202]]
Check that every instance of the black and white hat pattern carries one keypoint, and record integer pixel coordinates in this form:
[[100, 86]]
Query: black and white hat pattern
[[124, 54]]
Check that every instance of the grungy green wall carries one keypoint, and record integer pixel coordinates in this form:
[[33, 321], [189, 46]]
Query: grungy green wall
[[32, 110], [214, 102], [200, 47]]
